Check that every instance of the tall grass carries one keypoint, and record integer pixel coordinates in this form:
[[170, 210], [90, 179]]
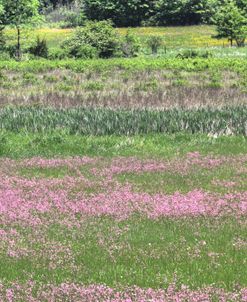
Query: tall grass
[[103, 121]]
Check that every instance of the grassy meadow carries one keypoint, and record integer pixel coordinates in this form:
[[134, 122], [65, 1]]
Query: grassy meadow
[[174, 38], [124, 180]]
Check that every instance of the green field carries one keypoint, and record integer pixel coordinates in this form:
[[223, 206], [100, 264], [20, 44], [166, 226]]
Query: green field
[[199, 36], [124, 180]]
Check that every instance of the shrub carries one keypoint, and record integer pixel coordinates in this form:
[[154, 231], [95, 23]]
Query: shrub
[[154, 42], [57, 53], [130, 45], [100, 36], [40, 48]]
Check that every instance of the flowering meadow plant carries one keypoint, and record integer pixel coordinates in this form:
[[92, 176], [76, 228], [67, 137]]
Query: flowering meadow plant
[[123, 229]]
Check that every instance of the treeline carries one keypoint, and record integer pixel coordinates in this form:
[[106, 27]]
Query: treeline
[[145, 12]]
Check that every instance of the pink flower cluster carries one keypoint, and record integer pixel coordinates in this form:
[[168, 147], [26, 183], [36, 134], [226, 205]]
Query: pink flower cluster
[[27, 200], [100, 293]]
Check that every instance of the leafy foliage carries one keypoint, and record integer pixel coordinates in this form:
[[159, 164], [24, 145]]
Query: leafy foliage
[[121, 12], [99, 37], [18, 13], [231, 23], [130, 45]]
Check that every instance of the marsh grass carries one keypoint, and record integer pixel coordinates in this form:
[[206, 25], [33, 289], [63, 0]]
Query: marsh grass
[[165, 88]]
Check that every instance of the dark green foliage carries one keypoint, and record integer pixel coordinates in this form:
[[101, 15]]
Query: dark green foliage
[[121, 12], [159, 12], [2, 40], [95, 38], [184, 12], [39, 49]]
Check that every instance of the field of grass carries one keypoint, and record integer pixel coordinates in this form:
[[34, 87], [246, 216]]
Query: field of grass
[[124, 180], [107, 218], [174, 37]]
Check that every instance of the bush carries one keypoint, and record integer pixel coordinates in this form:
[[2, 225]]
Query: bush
[[39, 49], [57, 54], [98, 37], [154, 42], [130, 45], [4, 56], [83, 52]]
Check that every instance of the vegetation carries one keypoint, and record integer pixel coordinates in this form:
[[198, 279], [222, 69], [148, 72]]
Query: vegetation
[[231, 23], [95, 38], [17, 13], [123, 151]]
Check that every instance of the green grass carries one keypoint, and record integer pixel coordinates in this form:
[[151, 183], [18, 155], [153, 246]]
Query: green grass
[[177, 36], [170, 183], [104, 121], [23, 145], [146, 253], [197, 252]]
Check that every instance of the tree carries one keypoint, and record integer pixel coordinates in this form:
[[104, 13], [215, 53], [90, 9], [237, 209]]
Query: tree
[[121, 12], [184, 12], [231, 23], [18, 13], [2, 40]]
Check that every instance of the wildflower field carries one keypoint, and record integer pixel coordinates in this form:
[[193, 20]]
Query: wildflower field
[[123, 180], [188, 36], [155, 218]]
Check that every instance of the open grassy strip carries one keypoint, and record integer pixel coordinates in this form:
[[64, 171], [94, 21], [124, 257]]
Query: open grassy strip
[[103, 121], [23, 145], [188, 36], [196, 252]]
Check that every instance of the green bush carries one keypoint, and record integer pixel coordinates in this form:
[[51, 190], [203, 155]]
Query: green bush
[[57, 53], [100, 37], [155, 42], [39, 49], [130, 45]]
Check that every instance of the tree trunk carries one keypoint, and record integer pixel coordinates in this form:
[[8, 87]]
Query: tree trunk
[[18, 43]]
